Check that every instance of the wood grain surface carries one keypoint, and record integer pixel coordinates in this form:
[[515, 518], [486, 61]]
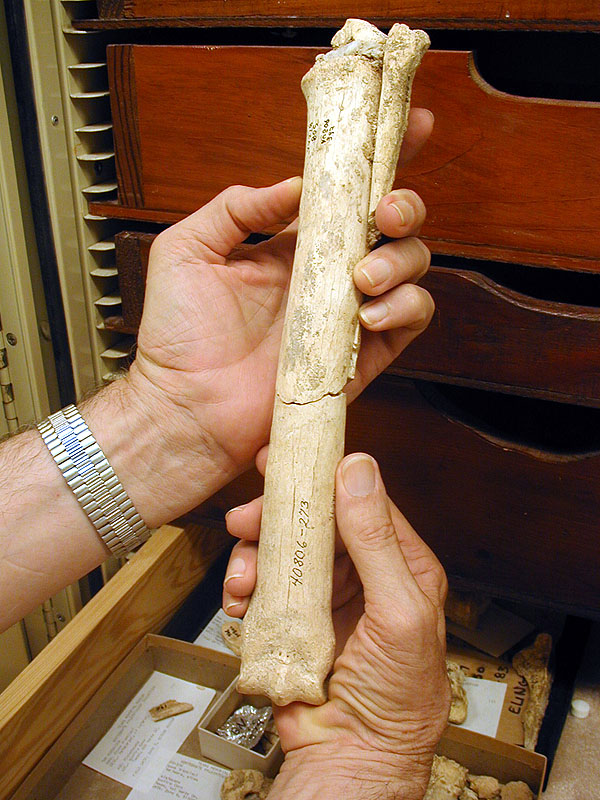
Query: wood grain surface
[[40, 703], [132, 251], [541, 14], [482, 334], [504, 514], [504, 178], [61, 765]]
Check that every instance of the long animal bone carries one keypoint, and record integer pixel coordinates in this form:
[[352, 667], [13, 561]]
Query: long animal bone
[[358, 98]]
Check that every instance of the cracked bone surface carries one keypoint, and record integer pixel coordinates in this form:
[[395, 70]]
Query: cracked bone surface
[[288, 640]]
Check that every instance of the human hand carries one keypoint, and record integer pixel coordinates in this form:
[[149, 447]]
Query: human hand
[[388, 695], [211, 329]]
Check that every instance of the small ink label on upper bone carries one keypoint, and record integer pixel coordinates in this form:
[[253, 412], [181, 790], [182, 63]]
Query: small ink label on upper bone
[[327, 132], [319, 133]]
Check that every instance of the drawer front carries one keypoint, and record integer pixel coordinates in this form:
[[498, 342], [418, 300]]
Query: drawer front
[[497, 175], [512, 518], [485, 335], [462, 13], [190, 121], [482, 334]]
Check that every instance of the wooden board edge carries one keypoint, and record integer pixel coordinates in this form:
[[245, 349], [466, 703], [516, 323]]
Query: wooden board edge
[[40, 703]]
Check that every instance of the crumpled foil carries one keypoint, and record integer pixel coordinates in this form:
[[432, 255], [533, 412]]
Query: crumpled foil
[[246, 725]]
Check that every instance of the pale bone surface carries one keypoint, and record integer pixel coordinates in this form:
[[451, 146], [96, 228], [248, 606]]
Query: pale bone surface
[[288, 639], [532, 664], [459, 704]]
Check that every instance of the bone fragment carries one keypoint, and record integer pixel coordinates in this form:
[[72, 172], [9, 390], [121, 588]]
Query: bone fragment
[[485, 787], [288, 640], [516, 790], [231, 632], [465, 608], [532, 664], [170, 708], [404, 50], [448, 779], [243, 784], [459, 703]]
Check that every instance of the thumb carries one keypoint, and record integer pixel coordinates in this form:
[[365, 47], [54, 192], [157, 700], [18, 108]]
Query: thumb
[[366, 527], [235, 213]]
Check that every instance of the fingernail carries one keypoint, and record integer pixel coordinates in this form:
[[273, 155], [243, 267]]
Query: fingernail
[[358, 475], [236, 569], [237, 508], [376, 271], [405, 212], [296, 179], [231, 605], [374, 313]]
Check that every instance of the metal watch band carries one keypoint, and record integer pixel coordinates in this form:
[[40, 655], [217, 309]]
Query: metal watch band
[[92, 480]]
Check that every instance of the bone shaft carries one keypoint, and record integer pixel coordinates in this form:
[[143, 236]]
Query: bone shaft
[[355, 127], [288, 638], [289, 641]]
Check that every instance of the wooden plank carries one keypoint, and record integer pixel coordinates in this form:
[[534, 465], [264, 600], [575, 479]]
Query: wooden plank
[[140, 598], [132, 251], [181, 659], [114, 210], [482, 334], [497, 338], [515, 181], [548, 14], [503, 513]]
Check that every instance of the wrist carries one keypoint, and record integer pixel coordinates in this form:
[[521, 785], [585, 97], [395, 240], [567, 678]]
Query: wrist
[[164, 461], [331, 771]]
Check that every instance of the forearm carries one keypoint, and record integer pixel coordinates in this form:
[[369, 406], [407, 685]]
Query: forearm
[[46, 540], [311, 774]]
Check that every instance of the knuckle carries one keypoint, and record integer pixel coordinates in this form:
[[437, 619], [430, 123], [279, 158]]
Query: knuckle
[[424, 254], [418, 205], [421, 306], [234, 191], [441, 581], [421, 623], [413, 199], [374, 532], [416, 257], [414, 298], [161, 242]]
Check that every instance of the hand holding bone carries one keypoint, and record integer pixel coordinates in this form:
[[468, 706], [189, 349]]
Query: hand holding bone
[[196, 405], [388, 694], [357, 97], [213, 315]]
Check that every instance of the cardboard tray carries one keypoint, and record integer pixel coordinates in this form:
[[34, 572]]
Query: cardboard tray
[[61, 773], [483, 755]]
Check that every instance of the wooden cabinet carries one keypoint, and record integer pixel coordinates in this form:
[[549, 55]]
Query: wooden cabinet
[[487, 428], [492, 453]]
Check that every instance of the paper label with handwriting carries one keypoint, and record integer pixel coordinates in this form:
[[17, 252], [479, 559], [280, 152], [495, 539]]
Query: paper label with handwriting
[[136, 749], [184, 779], [486, 700], [212, 637]]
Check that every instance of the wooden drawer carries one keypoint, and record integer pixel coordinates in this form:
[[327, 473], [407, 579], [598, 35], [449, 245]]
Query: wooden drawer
[[482, 334], [497, 175], [505, 490], [486, 335], [552, 14], [42, 701]]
